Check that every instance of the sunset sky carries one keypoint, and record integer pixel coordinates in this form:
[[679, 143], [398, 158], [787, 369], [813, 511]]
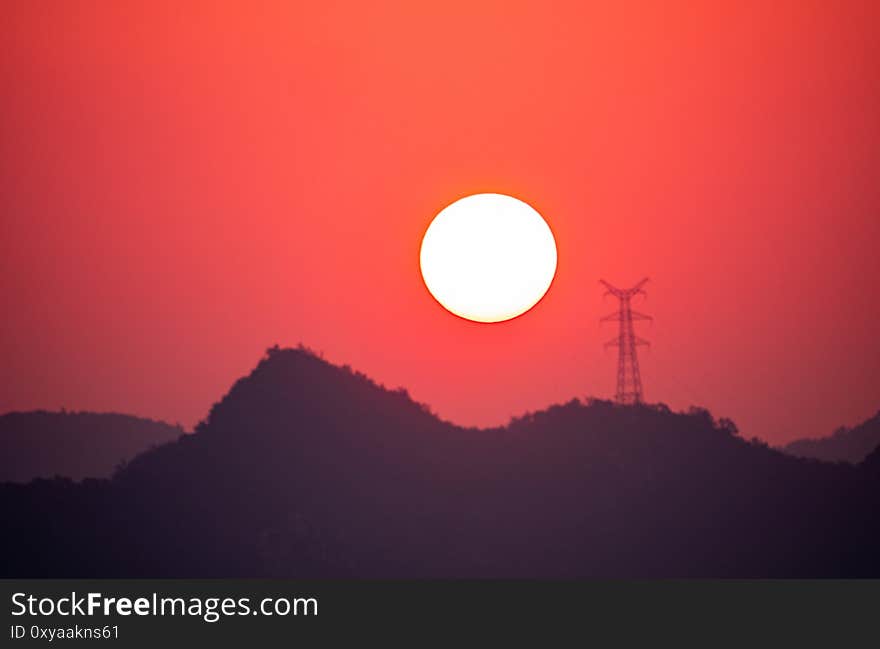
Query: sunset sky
[[185, 184]]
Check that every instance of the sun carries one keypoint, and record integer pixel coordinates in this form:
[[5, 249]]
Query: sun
[[488, 257]]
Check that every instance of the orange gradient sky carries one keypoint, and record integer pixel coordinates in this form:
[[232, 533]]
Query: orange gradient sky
[[185, 184]]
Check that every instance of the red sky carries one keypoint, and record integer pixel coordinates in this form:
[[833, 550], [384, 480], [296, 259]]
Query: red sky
[[183, 186]]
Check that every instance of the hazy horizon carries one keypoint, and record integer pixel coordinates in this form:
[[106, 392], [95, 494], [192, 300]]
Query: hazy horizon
[[188, 427]]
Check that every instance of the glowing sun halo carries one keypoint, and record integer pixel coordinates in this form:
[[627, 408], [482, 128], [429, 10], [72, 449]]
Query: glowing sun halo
[[488, 257]]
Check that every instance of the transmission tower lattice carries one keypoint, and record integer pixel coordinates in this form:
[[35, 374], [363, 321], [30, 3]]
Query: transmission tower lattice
[[629, 381]]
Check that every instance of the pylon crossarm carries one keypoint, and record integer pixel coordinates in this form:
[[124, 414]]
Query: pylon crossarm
[[638, 287], [640, 316], [612, 290], [610, 316]]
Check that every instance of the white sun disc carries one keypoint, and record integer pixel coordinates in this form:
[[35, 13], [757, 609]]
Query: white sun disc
[[488, 257]]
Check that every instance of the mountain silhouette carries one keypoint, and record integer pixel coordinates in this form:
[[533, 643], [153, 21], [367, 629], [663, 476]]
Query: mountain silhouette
[[844, 445], [307, 469], [77, 445], [871, 463]]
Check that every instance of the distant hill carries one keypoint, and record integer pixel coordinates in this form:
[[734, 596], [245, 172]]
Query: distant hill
[[844, 445], [77, 445], [307, 469], [872, 462]]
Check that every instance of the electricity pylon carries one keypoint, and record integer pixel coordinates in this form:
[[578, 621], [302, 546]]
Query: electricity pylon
[[629, 381]]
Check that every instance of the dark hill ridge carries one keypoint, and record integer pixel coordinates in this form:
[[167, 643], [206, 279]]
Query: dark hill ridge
[[844, 445], [77, 445], [872, 462], [308, 469]]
